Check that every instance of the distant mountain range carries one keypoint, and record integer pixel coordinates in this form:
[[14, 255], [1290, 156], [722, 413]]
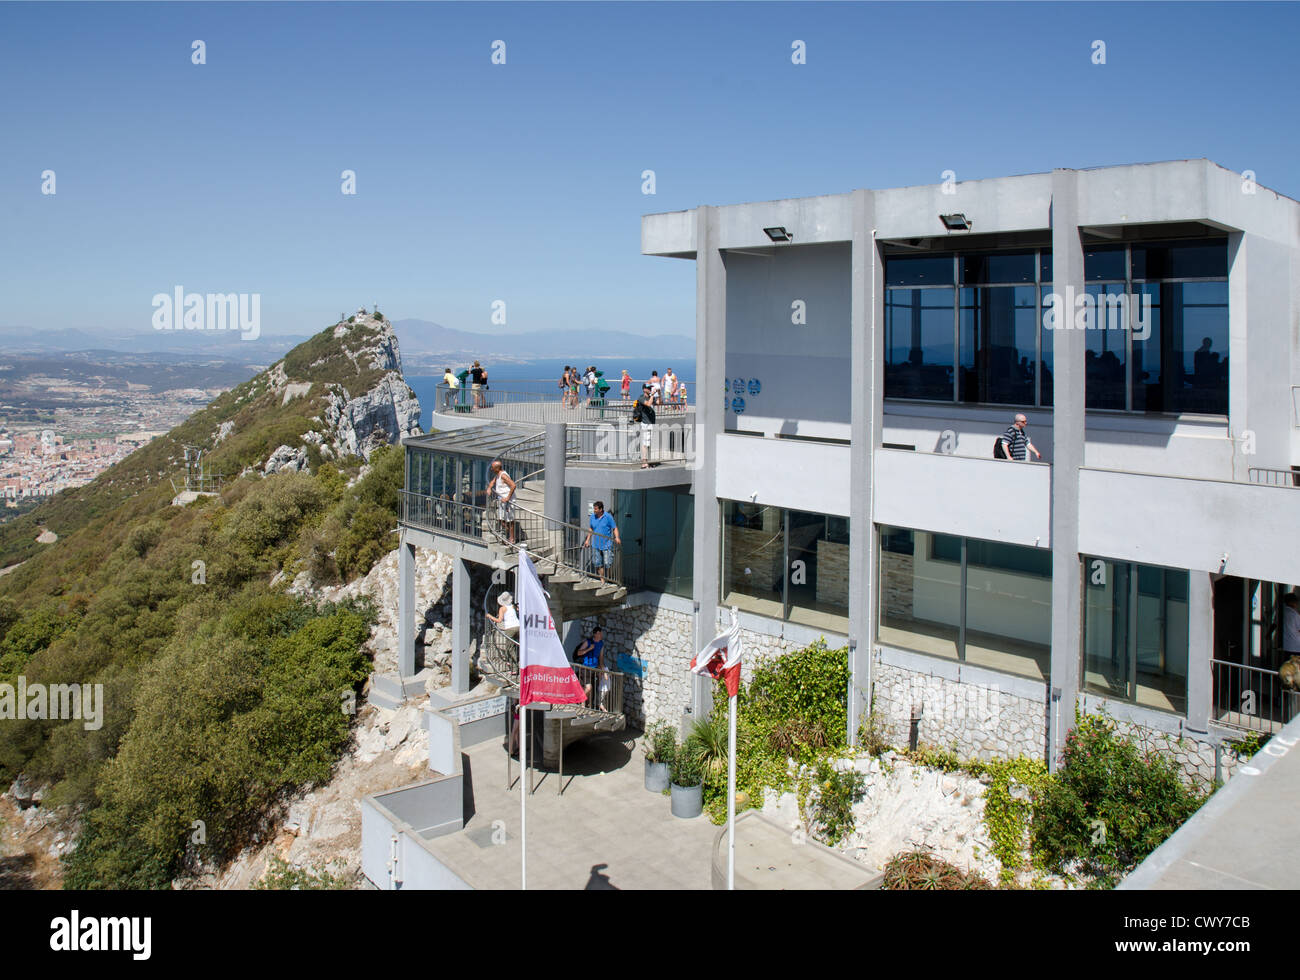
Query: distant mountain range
[[424, 343]]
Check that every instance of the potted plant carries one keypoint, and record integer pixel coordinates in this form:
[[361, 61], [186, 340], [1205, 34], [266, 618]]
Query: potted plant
[[687, 789], [660, 744]]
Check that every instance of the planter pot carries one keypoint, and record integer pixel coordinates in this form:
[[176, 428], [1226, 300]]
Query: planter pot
[[687, 801], [656, 776]]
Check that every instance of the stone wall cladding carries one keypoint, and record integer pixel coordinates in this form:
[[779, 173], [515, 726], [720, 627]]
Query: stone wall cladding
[[977, 721], [663, 640], [1195, 757]]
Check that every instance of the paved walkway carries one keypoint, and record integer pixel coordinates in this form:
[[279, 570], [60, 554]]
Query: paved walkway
[[1244, 837], [605, 832]]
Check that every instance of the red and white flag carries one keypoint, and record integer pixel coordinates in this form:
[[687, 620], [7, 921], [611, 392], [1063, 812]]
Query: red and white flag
[[544, 671], [721, 661]]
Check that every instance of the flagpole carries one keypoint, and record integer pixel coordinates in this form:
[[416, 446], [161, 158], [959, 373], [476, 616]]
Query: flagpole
[[523, 732], [731, 796], [731, 764]]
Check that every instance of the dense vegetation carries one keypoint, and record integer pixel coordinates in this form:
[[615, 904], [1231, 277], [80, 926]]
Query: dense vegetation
[[222, 693], [1109, 805]]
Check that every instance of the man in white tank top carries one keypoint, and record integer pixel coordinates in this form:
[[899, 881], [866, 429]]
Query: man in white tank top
[[504, 488]]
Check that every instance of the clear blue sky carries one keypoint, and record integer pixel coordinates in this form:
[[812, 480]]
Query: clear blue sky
[[522, 182]]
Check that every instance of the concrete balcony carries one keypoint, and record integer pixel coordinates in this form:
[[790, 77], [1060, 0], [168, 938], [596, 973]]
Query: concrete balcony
[[1242, 529], [992, 499]]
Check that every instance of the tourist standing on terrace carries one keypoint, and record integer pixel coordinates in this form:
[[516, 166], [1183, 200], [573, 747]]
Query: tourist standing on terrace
[[643, 414], [670, 385], [478, 381], [604, 530], [564, 386], [627, 384], [656, 387], [504, 488]]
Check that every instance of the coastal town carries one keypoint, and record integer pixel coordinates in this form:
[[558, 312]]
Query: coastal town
[[43, 451]]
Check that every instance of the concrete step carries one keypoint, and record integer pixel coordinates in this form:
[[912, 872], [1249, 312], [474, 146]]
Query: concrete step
[[565, 576]]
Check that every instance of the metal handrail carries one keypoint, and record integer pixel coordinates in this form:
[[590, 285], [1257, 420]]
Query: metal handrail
[[671, 441], [544, 539], [1274, 477], [534, 406], [1251, 698]]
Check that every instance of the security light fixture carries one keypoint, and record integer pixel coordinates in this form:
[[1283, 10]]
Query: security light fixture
[[778, 234], [955, 222]]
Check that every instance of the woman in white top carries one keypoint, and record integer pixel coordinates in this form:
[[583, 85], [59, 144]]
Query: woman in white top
[[504, 488], [507, 619]]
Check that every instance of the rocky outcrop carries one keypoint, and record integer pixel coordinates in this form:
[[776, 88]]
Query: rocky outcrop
[[286, 459], [384, 414]]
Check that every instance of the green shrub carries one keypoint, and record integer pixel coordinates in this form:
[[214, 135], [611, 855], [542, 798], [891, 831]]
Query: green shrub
[[1109, 805], [830, 803], [280, 875], [873, 735], [660, 743], [684, 770]]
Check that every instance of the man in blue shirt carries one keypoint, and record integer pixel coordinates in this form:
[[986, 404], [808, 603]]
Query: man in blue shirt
[[604, 530]]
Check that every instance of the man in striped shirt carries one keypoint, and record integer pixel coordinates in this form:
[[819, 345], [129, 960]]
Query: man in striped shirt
[[1016, 440]]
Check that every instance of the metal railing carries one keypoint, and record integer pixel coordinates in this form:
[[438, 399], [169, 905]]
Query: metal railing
[[551, 544], [604, 688], [537, 407], [1251, 698], [671, 440], [1274, 477]]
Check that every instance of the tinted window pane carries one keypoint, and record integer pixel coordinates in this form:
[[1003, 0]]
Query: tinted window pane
[[919, 343], [1104, 360], [920, 599], [1150, 392], [1045, 393], [1181, 260], [999, 328], [920, 270], [1103, 262], [753, 558], [1008, 607], [1204, 344], [819, 574], [1045, 266], [996, 267]]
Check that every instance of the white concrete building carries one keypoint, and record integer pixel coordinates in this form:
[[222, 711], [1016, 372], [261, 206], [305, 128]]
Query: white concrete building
[[873, 346]]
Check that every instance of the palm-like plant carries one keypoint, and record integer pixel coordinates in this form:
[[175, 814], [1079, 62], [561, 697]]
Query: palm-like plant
[[707, 744]]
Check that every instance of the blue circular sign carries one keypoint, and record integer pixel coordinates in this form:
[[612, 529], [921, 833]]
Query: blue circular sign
[[737, 405], [755, 386], [738, 386]]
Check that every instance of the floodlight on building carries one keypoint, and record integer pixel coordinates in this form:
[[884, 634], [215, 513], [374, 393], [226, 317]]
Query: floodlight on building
[[778, 234], [955, 222]]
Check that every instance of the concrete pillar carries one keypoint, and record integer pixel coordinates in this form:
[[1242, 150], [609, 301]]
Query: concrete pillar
[[1067, 448], [405, 608], [710, 417], [460, 623], [1200, 649], [867, 409], [553, 506]]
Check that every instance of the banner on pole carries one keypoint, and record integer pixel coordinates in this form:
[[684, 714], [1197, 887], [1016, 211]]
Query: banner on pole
[[720, 659], [544, 671]]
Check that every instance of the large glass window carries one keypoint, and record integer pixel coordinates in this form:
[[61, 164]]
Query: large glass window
[[919, 332], [976, 343], [980, 602], [999, 344], [786, 564], [1135, 626], [969, 327]]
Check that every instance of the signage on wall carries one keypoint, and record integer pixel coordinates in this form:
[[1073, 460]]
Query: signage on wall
[[738, 386], [737, 405], [631, 664], [755, 386]]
